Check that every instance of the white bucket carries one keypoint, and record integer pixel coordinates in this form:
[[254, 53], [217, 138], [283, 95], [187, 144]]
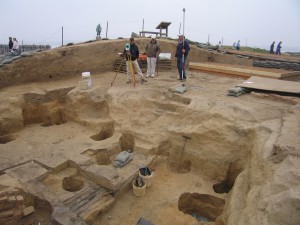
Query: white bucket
[[86, 81]]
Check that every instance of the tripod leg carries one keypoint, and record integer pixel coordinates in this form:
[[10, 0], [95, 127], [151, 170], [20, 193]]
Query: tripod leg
[[157, 66], [117, 72], [131, 71]]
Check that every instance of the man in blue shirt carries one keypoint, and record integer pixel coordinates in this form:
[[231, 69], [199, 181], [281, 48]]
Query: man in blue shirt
[[182, 51], [278, 49]]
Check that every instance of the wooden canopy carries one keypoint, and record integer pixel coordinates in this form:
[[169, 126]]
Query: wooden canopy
[[161, 26]]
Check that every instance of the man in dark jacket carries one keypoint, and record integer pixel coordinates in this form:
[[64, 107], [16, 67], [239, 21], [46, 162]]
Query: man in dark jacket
[[10, 44], [182, 51], [272, 48], [131, 52], [278, 48]]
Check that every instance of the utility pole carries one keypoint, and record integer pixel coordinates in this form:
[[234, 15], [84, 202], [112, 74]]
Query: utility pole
[[62, 36], [143, 28], [106, 28], [208, 40]]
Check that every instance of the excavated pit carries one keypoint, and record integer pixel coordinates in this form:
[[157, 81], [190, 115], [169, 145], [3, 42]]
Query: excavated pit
[[99, 156], [6, 138], [181, 167], [180, 154], [59, 142], [47, 109], [72, 184], [107, 131], [127, 141], [203, 207]]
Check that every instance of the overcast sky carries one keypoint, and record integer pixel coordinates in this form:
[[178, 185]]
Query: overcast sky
[[253, 22]]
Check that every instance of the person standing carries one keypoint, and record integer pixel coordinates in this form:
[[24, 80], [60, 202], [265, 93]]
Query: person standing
[[181, 54], [15, 45], [238, 45], [272, 48], [220, 45], [10, 44], [278, 49], [233, 46], [152, 52], [131, 52]]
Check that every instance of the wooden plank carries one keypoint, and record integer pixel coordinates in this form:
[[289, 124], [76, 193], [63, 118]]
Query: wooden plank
[[238, 71], [261, 83]]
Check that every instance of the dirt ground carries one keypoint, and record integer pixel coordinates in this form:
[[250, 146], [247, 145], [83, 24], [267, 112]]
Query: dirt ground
[[239, 165]]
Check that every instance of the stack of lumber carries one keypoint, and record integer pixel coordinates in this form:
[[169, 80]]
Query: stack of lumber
[[246, 72], [278, 65]]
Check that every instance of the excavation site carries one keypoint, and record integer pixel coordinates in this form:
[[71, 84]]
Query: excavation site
[[80, 145]]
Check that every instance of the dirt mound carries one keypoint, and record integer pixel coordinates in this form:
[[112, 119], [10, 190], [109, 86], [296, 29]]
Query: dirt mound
[[96, 57]]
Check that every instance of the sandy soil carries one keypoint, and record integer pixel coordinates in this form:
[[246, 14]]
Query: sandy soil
[[239, 147]]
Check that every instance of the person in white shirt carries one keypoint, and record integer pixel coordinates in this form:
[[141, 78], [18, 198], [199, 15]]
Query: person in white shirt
[[152, 52], [219, 46], [15, 45]]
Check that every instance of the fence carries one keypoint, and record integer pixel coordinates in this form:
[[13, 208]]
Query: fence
[[24, 48]]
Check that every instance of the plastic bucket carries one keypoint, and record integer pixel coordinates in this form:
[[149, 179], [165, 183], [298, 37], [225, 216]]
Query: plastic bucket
[[138, 191], [86, 81]]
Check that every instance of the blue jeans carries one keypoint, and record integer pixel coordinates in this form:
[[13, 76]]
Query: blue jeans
[[179, 67]]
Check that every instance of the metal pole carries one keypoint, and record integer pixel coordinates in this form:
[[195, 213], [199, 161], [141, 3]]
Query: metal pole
[[62, 36], [179, 28], [182, 152], [106, 28], [183, 21], [182, 72]]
